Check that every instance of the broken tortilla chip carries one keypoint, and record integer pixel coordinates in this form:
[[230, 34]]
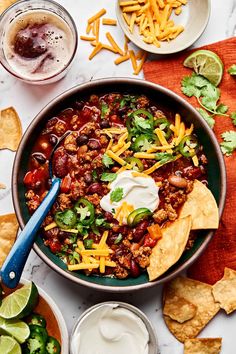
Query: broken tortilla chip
[[178, 308], [10, 129], [8, 231], [2, 186], [201, 205], [169, 248], [197, 293], [224, 291], [4, 4], [202, 346]]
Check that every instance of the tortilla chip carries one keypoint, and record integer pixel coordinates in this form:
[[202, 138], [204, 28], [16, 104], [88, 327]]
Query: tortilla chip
[[4, 4], [169, 248], [10, 129], [178, 308], [2, 186], [224, 291], [200, 295], [202, 346], [201, 205], [8, 231]]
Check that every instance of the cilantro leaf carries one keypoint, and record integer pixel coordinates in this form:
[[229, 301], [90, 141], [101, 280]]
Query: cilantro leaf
[[233, 117], [107, 161], [117, 194], [222, 108], [210, 94], [164, 157], [142, 123], [208, 118], [232, 70], [108, 177], [229, 144], [104, 110]]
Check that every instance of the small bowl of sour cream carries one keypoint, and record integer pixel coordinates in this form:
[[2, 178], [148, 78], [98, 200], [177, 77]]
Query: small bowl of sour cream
[[113, 327]]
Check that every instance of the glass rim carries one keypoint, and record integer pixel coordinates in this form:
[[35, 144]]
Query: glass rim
[[63, 9]]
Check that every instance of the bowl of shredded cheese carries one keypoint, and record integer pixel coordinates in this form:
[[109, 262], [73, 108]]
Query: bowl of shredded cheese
[[163, 26]]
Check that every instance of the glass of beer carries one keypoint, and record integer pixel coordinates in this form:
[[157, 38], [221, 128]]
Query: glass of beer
[[38, 41]]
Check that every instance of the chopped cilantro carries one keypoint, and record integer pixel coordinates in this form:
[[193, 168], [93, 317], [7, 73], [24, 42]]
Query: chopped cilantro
[[107, 161], [233, 117], [104, 110], [142, 123], [208, 118], [94, 175], [108, 177], [205, 92], [164, 157], [232, 70], [118, 239], [117, 194], [88, 243], [229, 144]]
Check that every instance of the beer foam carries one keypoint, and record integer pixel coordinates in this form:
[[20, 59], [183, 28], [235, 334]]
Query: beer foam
[[60, 45]]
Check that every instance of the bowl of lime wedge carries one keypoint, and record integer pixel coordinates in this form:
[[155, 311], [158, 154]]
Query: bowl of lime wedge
[[31, 322]]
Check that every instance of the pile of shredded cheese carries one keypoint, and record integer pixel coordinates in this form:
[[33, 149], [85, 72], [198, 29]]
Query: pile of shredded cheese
[[153, 18], [92, 36], [97, 257], [114, 150]]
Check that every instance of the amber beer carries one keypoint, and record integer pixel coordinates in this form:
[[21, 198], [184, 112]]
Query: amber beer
[[38, 45]]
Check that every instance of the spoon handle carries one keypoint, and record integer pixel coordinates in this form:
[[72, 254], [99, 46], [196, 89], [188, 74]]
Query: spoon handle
[[14, 264]]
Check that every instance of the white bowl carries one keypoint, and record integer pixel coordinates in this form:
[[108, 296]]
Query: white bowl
[[194, 18], [153, 345]]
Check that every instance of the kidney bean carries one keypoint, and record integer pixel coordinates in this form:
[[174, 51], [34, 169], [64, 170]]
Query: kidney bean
[[108, 216], [53, 139], [79, 104], [177, 181], [82, 139], [134, 269], [104, 124], [94, 144], [88, 177], [39, 157], [140, 230], [60, 163], [95, 188], [193, 172]]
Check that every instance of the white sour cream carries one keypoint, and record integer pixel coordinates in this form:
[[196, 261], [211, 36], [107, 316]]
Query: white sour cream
[[110, 329], [138, 191]]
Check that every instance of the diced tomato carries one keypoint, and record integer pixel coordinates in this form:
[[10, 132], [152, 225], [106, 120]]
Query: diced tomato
[[28, 179], [55, 246], [66, 184], [149, 241], [155, 231], [34, 176]]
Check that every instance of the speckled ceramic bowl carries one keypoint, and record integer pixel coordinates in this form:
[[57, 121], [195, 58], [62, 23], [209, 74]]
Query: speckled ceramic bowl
[[216, 175], [152, 344], [194, 18]]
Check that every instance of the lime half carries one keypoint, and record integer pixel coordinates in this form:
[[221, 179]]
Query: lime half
[[9, 345], [20, 303], [15, 328], [207, 64]]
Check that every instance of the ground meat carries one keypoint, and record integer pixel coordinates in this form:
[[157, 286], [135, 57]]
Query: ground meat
[[60, 128], [94, 199], [124, 261], [142, 256], [176, 198], [142, 102], [160, 216], [120, 272], [70, 142], [171, 213], [89, 128], [78, 189], [75, 122], [64, 201]]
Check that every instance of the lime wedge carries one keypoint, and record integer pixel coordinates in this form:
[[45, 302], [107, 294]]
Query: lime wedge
[[9, 345], [20, 303], [15, 328], [206, 63]]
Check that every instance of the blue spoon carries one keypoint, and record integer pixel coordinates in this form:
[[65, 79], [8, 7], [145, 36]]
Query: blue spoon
[[14, 264]]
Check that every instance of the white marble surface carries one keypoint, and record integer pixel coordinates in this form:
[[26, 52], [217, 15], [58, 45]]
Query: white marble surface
[[28, 100]]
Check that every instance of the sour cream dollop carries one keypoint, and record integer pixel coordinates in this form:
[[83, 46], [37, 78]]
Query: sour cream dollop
[[110, 329], [138, 191]]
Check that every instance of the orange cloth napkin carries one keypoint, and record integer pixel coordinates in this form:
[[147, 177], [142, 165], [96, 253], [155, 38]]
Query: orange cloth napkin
[[168, 72]]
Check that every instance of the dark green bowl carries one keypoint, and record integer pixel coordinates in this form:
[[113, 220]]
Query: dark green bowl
[[216, 174]]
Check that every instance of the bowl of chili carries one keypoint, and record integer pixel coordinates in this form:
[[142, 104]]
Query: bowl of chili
[[92, 236]]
